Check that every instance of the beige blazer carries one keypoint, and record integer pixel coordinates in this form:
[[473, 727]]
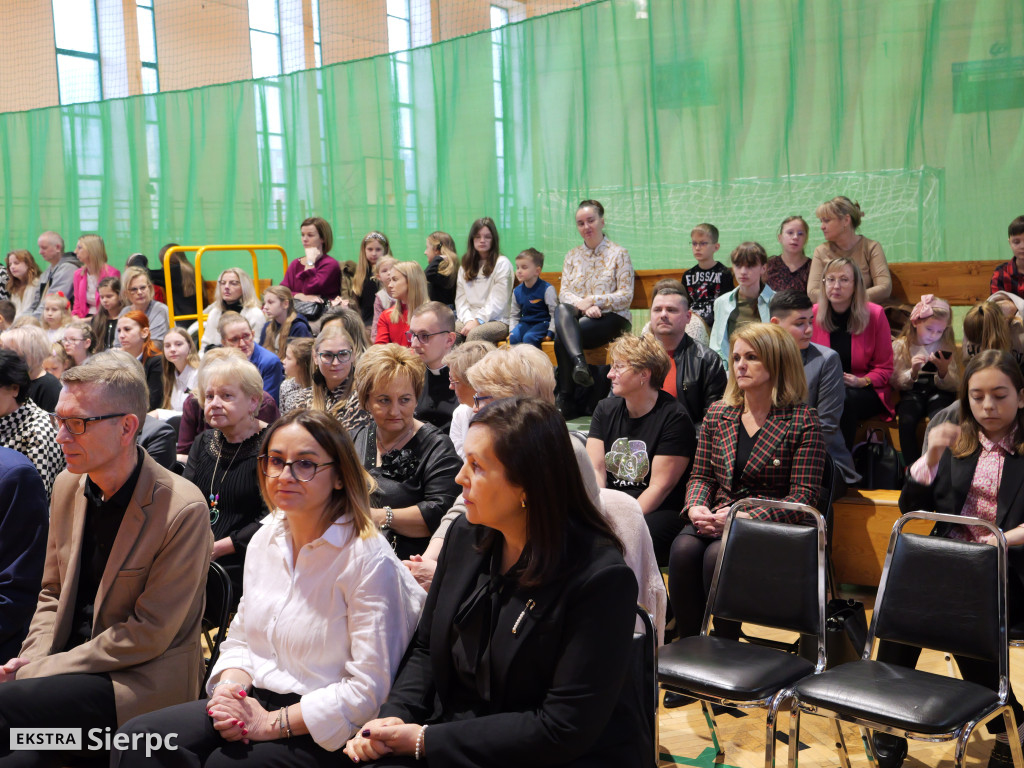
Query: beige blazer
[[149, 605]]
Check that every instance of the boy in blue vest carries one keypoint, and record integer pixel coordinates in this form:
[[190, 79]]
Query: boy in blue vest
[[532, 317]]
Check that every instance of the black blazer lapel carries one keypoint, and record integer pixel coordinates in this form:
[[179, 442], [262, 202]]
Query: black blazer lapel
[[1010, 508]]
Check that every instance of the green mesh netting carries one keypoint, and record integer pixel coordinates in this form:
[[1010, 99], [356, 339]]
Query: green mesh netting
[[670, 112]]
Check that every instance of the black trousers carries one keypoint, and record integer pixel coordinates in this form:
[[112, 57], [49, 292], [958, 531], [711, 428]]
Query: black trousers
[[62, 701], [691, 569], [859, 404], [199, 744], [663, 525], [575, 332], [911, 409]]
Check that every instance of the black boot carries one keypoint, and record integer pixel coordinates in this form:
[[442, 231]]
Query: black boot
[[581, 372], [890, 751]]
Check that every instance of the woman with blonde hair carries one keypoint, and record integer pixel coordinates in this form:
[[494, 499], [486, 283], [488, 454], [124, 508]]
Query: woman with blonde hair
[[327, 615], [408, 287], [857, 329], [85, 284], [283, 322], [641, 439], [32, 345], [459, 361], [78, 341], [359, 282], [235, 293], [331, 389], [22, 280], [759, 440], [442, 267], [138, 293], [413, 462], [840, 217], [181, 369]]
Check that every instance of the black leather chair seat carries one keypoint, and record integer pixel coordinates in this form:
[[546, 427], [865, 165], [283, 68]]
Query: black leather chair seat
[[896, 696], [728, 669]]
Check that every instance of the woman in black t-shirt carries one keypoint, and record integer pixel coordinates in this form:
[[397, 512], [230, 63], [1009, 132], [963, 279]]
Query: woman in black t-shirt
[[641, 439]]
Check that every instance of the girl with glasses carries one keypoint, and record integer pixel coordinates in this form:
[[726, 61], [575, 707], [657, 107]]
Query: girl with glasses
[[79, 341], [331, 366]]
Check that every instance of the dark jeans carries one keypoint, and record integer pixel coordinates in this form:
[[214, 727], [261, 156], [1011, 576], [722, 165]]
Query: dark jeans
[[911, 409], [62, 701], [198, 744], [859, 405], [575, 332]]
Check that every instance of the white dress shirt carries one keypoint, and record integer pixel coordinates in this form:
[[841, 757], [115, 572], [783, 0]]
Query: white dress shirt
[[333, 628]]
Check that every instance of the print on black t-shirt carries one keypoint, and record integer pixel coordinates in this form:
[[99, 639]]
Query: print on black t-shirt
[[704, 286]]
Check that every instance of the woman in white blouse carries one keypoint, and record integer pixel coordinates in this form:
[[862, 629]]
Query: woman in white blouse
[[483, 290], [594, 299], [326, 614]]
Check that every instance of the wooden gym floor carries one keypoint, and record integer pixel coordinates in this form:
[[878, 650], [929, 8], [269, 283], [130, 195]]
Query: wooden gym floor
[[686, 740]]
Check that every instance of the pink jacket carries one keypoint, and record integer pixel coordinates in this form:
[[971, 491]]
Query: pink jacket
[[80, 287], [870, 352]]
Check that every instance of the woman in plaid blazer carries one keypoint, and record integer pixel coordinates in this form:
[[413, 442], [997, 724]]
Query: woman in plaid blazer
[[758, 440]]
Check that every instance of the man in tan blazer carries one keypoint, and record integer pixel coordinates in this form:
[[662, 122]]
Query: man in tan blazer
[[116, 629]]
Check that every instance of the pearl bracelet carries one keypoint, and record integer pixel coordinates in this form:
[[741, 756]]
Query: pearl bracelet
[[419, 742]]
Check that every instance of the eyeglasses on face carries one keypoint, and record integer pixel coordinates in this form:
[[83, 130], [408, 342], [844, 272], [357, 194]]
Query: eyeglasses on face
[[71, 340], [76, 424], [303, 470], [422, 337], [837, 280], [480, 400], [239, 339], [335, 357]]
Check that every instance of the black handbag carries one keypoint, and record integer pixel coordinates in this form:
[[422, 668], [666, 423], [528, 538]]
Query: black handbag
[[311, 310], [846, 631], [878, 463]]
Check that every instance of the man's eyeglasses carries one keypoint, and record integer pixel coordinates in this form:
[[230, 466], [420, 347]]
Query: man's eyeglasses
[[335, 357], [303, 470], [76, 424], [422, 337]]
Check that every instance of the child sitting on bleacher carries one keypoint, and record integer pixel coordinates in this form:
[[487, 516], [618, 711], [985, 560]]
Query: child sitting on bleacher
[[926, 372], [705, 282], [532, 312]]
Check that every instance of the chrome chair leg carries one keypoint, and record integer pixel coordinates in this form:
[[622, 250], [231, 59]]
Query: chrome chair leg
[[772, 727], [794, 734], [844, 754], [709, 716]]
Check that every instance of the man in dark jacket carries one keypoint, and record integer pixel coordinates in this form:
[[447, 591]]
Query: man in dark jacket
[[697, 377]]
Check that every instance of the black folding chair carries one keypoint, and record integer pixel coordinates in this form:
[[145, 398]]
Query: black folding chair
[[939, 593], [219, 597], [770, 574], [644, 673]]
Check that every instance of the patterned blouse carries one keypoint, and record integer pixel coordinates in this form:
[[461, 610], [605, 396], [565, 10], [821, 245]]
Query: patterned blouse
[[28, 430], [605, 273], [982, 498], [780, 278], [345, 408]]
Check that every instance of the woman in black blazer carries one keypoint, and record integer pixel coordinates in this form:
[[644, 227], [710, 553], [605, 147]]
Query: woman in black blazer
[[522, 650], [976, 469]]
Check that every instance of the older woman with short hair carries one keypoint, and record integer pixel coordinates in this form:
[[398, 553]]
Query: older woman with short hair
[[459, 361], [24, 426], [413, 462], [222, 461], [641, 438], [32, 345], [138, 293], [759, 440]]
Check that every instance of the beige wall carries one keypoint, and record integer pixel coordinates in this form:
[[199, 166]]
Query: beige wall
[[205, 42]]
